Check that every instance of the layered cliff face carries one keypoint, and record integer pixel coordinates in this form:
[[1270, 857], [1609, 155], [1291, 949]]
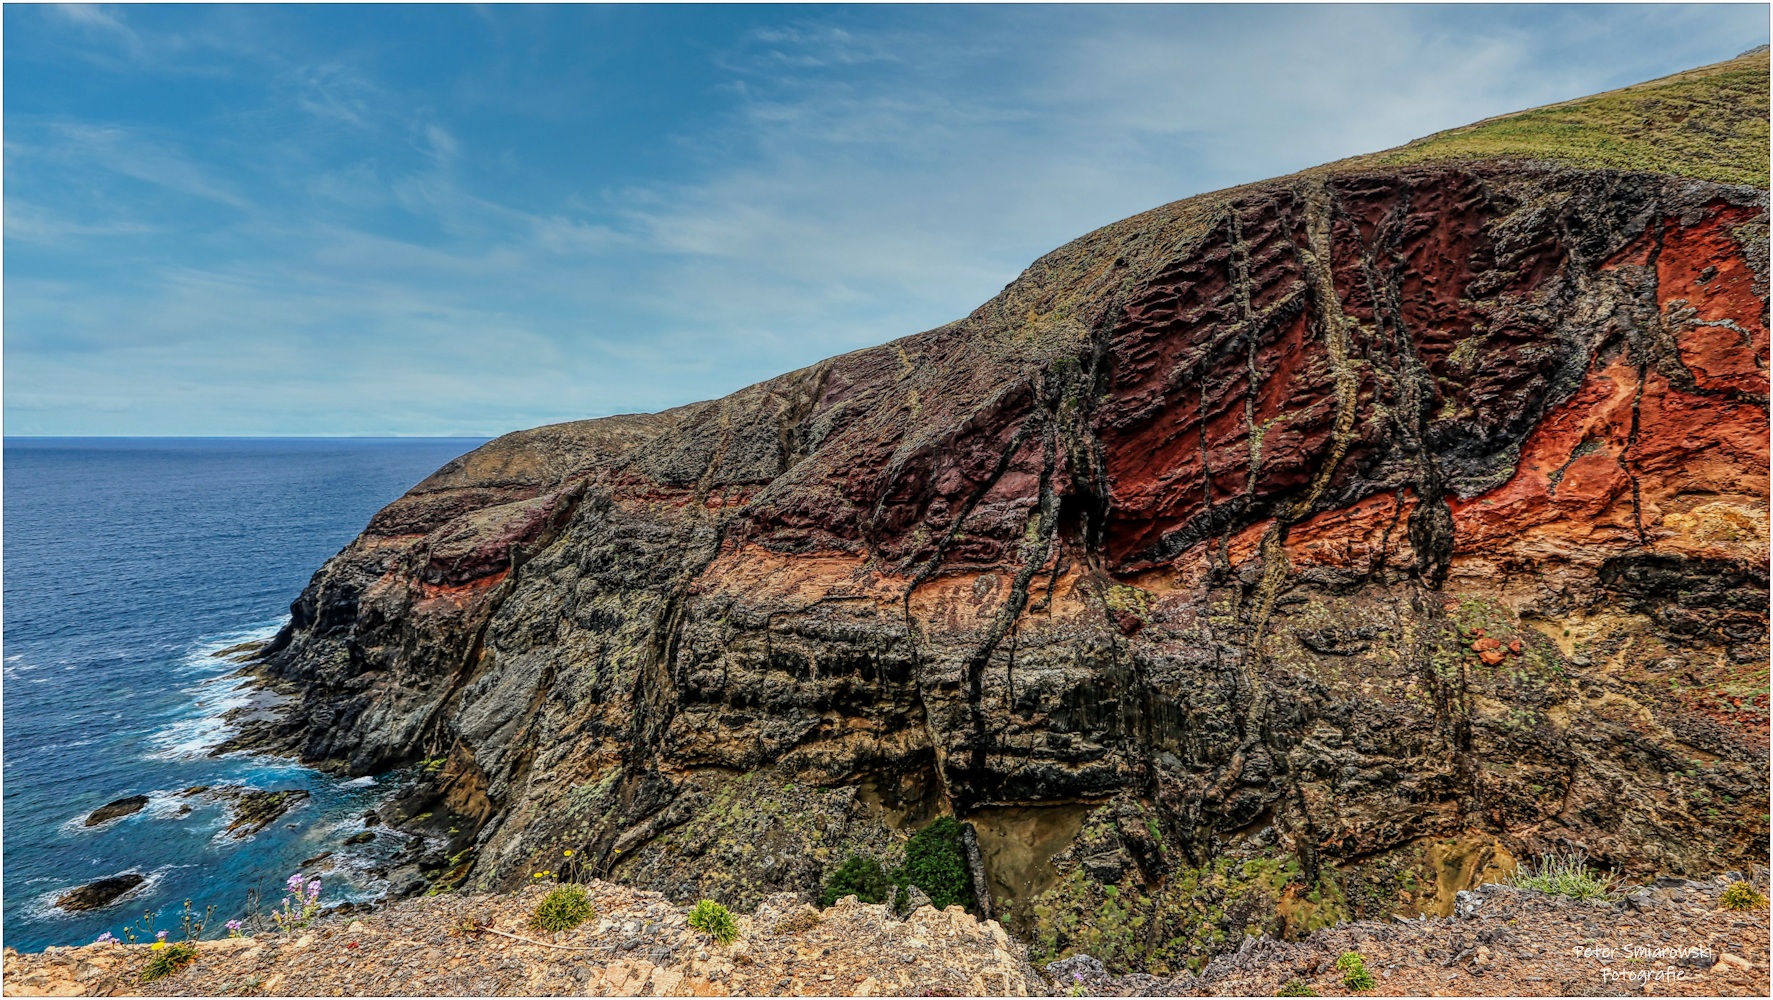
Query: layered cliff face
[[1308, 549]]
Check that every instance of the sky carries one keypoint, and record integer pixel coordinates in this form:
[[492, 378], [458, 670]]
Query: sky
[[455, 220]]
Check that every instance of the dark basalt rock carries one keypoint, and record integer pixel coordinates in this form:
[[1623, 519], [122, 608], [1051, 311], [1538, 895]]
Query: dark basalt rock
[[117, 809], [99, 894], [255, 809], [1238, 564]]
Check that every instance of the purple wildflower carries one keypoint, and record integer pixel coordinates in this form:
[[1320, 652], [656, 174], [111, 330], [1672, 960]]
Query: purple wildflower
[[105, 938], [160, 936]]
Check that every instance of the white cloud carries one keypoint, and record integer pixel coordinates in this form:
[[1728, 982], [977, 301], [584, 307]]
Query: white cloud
[[380, 265]]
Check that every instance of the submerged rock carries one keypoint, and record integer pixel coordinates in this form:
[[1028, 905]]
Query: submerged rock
[[117, 809], [99, 894]]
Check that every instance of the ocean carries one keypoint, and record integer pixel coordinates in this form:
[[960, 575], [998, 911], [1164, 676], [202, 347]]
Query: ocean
[[129, 562]]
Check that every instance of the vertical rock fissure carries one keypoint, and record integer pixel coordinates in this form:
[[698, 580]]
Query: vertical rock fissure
[[1047, 510], [1644, 357]]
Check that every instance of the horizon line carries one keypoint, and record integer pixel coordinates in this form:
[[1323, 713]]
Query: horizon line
[[248, 437]]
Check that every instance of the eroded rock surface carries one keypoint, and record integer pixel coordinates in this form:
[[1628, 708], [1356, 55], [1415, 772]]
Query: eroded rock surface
[[1310, 549]]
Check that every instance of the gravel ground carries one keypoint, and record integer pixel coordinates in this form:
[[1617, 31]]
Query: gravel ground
[[638, 944], [1670, 939]]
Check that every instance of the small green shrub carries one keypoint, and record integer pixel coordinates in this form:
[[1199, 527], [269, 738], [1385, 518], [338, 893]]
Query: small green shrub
[[935, 863], [1742, 896], [714, 920], [1295, 988], [167, 959], [1565, 875], [1354, 971], [860, 876], [562, 909]]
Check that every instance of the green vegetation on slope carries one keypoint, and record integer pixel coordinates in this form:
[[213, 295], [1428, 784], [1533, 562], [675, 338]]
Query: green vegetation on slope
[[1709, 123]]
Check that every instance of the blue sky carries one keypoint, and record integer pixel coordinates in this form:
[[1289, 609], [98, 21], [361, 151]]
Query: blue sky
[[466, 220]]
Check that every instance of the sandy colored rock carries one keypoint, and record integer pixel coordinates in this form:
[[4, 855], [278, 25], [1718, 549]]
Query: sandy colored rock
[[638, 944]]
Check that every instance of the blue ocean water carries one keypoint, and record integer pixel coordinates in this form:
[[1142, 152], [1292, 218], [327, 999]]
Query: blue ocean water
[[129, 561]]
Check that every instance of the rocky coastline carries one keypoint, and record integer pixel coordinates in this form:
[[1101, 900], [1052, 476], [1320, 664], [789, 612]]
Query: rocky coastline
[[1287, 562], [1307, 551]]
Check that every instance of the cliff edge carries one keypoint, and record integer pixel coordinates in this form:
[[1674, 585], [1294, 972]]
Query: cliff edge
[[1301, 551]]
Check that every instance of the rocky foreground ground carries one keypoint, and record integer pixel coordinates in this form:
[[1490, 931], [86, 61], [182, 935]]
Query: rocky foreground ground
[[1671, 939]]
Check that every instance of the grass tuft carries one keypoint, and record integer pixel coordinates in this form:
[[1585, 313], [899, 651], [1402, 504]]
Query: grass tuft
[[1742, 896], [1565, 875], [1354, 971], [562, 909], [168, 959], [1295, 988], [714, 920]]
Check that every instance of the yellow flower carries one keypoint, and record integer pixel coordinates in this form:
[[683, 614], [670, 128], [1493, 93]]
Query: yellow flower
[[156, 946], [536, 875], [567, 853]]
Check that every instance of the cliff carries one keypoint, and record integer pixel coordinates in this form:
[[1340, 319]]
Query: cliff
[[1305, 550]]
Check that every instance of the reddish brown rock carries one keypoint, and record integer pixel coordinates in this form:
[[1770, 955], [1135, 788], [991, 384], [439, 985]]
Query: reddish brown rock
[[1340, 519]]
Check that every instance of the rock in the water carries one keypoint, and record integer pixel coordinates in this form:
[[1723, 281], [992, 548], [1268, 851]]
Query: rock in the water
[[361, 838], [117, 809], [102, 893], [255, 809], [244, 652]]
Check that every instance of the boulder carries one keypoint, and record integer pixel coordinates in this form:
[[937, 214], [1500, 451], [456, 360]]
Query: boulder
[[117, 809], [99, 894]]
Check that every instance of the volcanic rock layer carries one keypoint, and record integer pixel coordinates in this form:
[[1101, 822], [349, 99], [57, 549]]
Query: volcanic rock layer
[[1308, 549]]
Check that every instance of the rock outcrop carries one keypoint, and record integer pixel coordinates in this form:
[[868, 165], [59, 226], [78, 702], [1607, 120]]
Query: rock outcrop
[[636, 944], [1301, 550], [100, 893], [117, 809]]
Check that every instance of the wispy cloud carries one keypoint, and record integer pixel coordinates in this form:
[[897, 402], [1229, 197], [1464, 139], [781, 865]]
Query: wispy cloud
[[276, 220]]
